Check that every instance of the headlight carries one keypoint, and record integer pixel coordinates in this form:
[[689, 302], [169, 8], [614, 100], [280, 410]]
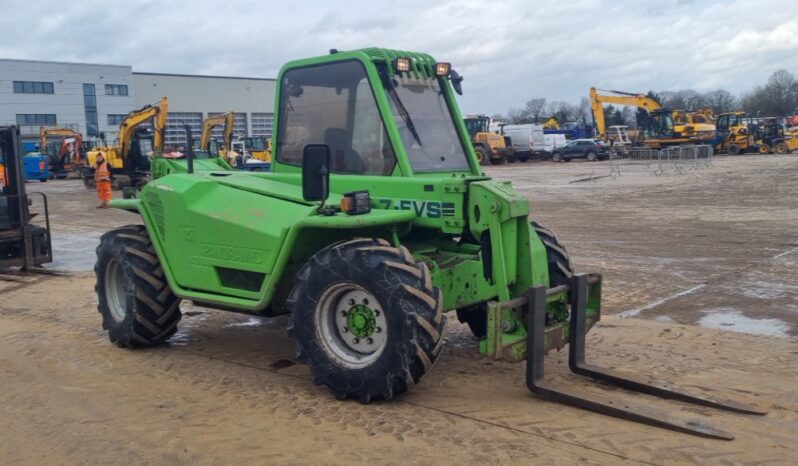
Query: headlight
[[401, 64], [442, 69]]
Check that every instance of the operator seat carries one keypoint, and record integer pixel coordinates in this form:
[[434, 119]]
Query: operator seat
[[342, 157]]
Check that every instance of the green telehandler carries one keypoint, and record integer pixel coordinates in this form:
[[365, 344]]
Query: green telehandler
[[374, 221]]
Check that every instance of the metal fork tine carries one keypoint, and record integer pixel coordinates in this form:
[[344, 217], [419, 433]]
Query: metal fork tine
[[622, 410], [578, 365]]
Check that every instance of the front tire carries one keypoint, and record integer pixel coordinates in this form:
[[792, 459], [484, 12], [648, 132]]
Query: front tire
[[734, 149], [591, 157], [560, 267], [764, 149], [366, 319], [137, 306], [483, 156]]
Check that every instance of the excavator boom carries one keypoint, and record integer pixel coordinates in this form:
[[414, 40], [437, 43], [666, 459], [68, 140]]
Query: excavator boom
[[158, 112], [621, 98], [228, 119]]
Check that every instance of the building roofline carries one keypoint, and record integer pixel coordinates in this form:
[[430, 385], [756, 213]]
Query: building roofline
[[180, 75], [64, 62]]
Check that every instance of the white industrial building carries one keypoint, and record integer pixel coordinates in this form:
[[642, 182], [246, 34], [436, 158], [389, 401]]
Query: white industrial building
[[93, 98]]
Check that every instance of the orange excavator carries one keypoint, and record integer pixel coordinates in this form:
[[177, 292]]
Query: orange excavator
[[69, 155]]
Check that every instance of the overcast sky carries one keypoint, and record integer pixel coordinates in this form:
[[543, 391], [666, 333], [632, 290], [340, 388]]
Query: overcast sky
[[508, 51]]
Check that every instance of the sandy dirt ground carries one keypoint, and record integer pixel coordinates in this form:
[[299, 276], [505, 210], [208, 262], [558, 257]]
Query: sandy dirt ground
[[685, 259]]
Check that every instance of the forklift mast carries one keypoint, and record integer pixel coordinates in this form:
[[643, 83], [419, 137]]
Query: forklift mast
[[22, 244]]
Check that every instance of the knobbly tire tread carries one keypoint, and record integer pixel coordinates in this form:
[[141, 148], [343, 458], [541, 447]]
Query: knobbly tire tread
[[153, 310], [560, 270], [412, 306]]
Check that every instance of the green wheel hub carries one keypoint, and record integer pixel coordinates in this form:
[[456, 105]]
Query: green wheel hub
[[361, 320]]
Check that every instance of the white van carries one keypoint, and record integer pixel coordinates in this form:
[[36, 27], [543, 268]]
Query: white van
[[553, 141], [526, 139]]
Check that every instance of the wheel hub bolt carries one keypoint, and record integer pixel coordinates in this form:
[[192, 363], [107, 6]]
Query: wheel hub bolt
[[378, 329], [356, 340], [369, 340], [343, 313], [376, 312], [507, 326], [345, 329], [365, 301], [351, 302]]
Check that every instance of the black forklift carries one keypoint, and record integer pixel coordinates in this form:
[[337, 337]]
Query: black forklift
[[24, 244]]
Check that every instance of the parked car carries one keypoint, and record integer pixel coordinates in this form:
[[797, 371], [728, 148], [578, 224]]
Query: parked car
[[579, 149]]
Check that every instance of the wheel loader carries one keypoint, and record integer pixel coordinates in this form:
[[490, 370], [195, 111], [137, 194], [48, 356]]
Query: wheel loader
[[489, 147], [375, 221]]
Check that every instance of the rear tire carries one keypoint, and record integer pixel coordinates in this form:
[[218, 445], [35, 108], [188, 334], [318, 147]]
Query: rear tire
[[781, 148], [390, 342], [556, 157], [560, 268], [591, 157], [734, 149], [137, 306], [764, 149], [510, 156]]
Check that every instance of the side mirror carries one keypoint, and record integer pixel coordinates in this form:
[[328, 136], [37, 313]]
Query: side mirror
[[316, 172], [457, 82]]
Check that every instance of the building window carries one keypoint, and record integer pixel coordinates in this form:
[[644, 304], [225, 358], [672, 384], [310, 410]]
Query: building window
[[175, 132], [116, 89], [262, 124], [115, 120], [33, 87], [90, 109], [41, 119]]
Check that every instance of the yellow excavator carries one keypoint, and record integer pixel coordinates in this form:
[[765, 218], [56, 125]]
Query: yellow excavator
[[661, 129], [698, 124], [209, 147], [551, 123], [65, 159], [129, 157]]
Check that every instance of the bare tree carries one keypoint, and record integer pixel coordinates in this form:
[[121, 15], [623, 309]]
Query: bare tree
[[583, 112], [779, 96], [721, 100], [686, 99], [517, 116], [535, 109]]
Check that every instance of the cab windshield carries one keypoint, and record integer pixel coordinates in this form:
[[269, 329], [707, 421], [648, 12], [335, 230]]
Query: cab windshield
[[425, 124], [476, 125], [256, 144]]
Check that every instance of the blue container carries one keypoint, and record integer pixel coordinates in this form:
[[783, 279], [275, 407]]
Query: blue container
[[36, 167]]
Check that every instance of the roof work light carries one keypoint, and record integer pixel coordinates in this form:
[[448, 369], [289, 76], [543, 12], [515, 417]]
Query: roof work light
[[401, 64], [442, 69]]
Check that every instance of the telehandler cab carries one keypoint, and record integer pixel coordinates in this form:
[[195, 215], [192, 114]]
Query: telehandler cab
[[375, 221]]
